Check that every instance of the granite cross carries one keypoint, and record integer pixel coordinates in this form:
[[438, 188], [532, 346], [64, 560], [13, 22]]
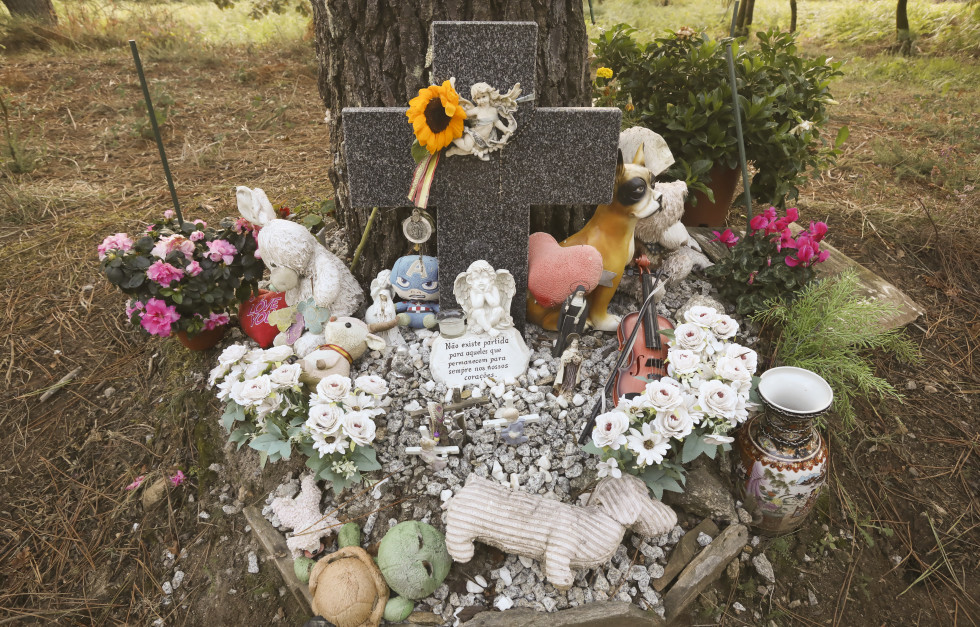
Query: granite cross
[[556, 156]]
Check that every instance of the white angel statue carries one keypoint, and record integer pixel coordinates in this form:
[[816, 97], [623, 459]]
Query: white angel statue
[[484, 295], [489, 121]]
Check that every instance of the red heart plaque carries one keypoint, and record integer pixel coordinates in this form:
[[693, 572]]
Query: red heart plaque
[[554, 272], [253, 316]]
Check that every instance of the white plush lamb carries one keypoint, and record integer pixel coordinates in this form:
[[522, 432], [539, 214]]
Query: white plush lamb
[[302, 514], [299, 265]]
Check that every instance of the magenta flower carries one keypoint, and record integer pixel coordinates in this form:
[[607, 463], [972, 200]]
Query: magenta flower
[[164, 273], [242, 225], [785, 240], [216, 320], [132, 307], [818, 230], [177, 479], [119, 241], [221, 250], [807, 252], [727, 238], [758, 222], [136, 483], [197, 236], [158, 317], [193, 268]]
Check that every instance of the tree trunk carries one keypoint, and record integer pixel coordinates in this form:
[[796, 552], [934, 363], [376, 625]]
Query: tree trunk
[[904, 33], [41, 10], [792, 16], [744, 18], [372, 53]]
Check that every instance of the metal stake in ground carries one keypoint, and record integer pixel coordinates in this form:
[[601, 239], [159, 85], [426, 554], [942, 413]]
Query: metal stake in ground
[[156, 130], [737, 110]]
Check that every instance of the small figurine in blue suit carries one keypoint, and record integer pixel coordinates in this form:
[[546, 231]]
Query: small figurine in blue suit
[[415, 279]]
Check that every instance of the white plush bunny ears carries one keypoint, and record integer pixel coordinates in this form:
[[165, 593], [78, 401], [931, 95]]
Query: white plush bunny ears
[[254, 206]]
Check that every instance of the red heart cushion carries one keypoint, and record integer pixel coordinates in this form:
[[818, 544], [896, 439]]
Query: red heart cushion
[[554, 272], [253, 315]]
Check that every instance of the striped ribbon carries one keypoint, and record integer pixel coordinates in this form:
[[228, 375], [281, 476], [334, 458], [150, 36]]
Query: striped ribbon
[[425, 171]]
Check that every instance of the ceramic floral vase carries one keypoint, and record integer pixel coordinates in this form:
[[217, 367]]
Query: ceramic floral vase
[[780, 458], [203, 340]]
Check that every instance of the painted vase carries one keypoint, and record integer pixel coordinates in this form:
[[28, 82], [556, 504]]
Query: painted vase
[[780, 458], [203, 340]]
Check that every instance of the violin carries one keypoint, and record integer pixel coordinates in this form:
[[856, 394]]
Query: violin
[[648, 349]]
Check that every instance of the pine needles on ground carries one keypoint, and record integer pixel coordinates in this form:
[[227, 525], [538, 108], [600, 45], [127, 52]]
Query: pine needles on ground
[[831, 329]]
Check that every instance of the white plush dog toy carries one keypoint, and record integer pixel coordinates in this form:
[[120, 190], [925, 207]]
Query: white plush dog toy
[[299, 265], [562, 536]]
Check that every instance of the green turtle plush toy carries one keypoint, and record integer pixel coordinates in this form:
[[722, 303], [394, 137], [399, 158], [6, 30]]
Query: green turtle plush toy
[[414, 561]]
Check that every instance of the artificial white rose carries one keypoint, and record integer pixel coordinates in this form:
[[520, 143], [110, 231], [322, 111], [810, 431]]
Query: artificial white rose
[[256, 369], [717, 398], [254, 355], [286, 375], [333, 387], [690, 337], [610, 429], [747, 355], [649, 445], [324, 418], [371, 384], [675, 423], [279, 353], [724, 327], [359, 427], [232, 354], [329, 443], [733, 369], [701, 316], [218, 372], [664, 394], [268, 405], [252, 391], [682, 362], [226, 386]]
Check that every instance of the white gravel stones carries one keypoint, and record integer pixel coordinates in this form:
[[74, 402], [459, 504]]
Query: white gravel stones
[[762, 566], [253, 563]]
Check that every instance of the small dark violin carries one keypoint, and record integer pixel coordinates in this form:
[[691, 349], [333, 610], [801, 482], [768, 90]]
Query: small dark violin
[[649, 348]]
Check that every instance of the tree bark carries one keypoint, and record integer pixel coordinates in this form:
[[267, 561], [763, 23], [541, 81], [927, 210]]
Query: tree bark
[[41, 10], [792, 16], [903, 31], [372, 53]]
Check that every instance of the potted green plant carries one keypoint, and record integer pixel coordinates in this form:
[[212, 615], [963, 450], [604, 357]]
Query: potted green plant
[[678, 86], [183, 279]]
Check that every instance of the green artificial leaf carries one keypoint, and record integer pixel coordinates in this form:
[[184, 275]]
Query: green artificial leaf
[[590, 448], [693, 446], [233, 413], [419, 153], [365, 458], [313, 317], [263, 458]]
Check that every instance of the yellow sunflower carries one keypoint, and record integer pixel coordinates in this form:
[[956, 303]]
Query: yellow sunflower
[[436, 116]]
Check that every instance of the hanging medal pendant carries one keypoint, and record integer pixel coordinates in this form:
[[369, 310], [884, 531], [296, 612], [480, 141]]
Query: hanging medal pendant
[[418, 227]]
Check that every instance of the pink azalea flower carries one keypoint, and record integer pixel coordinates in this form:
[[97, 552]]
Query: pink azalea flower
[[242, 225], [203, 224], [216, 320], [222, 250], [171, 243], [119, 241], [193, 268], [158, 317], [177, 479], [197, 236], [169, 213], [132, 307], [164, 273], [727, 238], [818, 230], [136, 483]]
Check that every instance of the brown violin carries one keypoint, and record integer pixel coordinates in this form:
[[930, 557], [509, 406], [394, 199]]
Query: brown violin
[[649, 347]]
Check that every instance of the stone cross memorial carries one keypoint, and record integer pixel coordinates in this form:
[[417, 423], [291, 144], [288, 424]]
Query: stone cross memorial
[[556, 156]]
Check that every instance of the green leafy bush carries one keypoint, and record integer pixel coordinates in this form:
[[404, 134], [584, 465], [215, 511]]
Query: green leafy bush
[[832, 329], [678, 86]]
